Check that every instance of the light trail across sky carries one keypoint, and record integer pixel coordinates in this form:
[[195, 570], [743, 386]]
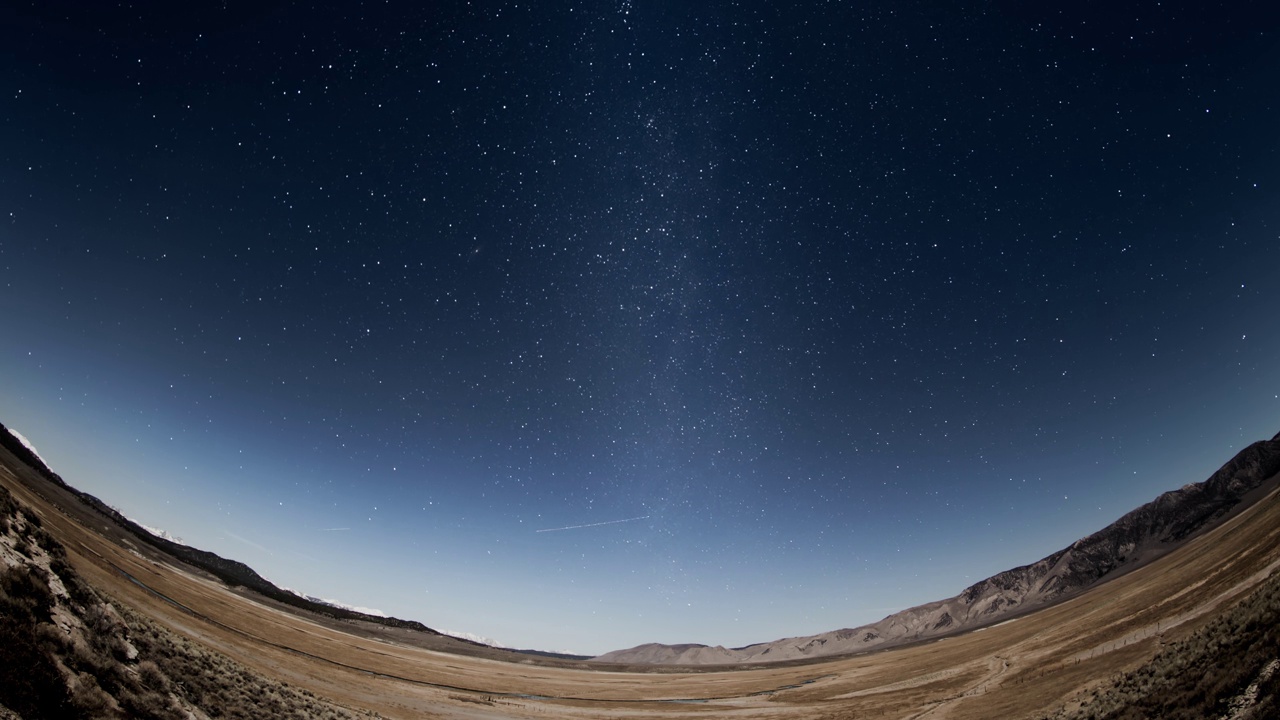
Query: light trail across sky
[[598, 524]]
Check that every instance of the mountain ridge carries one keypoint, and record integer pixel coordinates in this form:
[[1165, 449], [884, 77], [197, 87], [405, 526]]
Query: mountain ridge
[[1149, 531], [1142, 534], [233, 573]]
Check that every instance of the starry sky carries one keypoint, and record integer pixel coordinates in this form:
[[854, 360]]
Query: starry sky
[[580, 325]]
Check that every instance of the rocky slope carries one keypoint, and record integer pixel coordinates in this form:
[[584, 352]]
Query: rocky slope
[[68, 652], [1136, 538], [233, 572]]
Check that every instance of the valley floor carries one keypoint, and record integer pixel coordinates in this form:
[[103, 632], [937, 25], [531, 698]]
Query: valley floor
[[1209, 607]]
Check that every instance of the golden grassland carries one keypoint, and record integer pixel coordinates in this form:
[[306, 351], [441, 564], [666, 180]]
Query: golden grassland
[[1121, 648]]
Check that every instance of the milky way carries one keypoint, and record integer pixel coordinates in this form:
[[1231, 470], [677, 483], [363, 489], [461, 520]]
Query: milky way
[[795, 314]]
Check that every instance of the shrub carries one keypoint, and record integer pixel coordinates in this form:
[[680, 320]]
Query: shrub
[[213, 682], [24, 593], [90, 699], [1197, 677], [151, 676], [30, 683]]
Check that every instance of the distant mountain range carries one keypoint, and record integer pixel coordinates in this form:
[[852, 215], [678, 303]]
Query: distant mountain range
[[231, 572], [1134, 540], [1130, 542]]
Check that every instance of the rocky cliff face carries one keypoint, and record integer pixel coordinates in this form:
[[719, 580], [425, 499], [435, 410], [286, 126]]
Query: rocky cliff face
[[1136, 538]]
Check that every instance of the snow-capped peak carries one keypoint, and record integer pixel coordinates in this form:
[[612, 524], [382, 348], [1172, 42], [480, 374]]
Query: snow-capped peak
[[336, 604], [474, 638], [27, 444], [162, 534]]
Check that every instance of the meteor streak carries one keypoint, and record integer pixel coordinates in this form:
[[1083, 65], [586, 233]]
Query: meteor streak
[[606, 522]]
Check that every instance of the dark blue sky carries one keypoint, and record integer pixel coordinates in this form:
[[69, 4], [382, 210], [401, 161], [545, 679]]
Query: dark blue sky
[[836, 307]]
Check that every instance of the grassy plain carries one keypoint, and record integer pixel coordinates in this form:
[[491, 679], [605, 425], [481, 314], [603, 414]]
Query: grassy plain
[[1046, 662]]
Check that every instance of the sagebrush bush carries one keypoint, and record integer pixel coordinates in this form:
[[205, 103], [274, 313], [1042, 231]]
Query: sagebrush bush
[[1198, 677], [217, 684]]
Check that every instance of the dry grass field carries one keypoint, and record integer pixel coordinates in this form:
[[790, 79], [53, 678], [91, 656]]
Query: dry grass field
[[1050, 661]]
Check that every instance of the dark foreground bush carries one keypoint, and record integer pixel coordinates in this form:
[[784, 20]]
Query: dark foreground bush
[[1199, 677], [217, 684], [30, 683]]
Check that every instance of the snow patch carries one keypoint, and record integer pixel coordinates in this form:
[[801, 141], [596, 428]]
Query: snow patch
[[27, 444], [474, 638], [162, 534], [337, 604], [491, 642]]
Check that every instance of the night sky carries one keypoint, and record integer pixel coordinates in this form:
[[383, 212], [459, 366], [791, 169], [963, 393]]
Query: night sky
[[579, 325]]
